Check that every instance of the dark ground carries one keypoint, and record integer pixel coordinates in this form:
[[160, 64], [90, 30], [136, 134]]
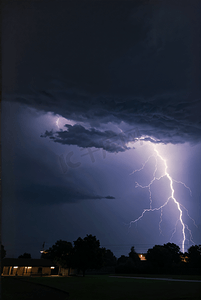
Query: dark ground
[[27, 290]]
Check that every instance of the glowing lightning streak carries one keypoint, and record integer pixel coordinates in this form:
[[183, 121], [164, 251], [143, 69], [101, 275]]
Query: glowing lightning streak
[[175, 201], [183, 185], [57, 122], [166, 174]]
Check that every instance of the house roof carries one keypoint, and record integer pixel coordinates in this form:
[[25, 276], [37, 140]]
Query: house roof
[[27, 262]]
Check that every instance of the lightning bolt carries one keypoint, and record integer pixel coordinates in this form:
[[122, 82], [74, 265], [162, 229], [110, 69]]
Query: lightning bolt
[[179, 206], [57, 122]]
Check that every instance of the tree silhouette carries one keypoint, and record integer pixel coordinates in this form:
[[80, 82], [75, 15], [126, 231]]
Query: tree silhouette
[[194, 255], [175, 252], [25, 255], [108, 258], [87, 253], [158, 256], [59, 253], [133, 255], [163, 257]]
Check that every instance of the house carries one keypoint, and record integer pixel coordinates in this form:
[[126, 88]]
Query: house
[[67, 271], [142, 256], [28, 267]]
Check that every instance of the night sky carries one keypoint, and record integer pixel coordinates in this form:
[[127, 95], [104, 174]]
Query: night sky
[[91, 90]]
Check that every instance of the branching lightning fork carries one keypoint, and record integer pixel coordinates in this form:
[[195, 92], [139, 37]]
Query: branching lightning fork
[[157, 156]]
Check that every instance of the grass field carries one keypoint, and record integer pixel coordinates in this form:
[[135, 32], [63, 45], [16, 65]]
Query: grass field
[[16, 289], [182, 277], [109, 288]]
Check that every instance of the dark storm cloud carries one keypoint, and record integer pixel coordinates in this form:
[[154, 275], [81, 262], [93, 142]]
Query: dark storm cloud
[[172, 118], [107, 61], [55, 194], [73, 40], [169, 119], [109, 197], [78, 135]]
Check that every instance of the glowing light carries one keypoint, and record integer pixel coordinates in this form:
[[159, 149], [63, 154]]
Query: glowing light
[[15, 267], [44, 251], [179, 206], [60, 121], [52, 267], [57, 122]]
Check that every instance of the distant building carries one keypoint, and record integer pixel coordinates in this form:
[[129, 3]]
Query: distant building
[[142, 256], [28, 267], [184, 258], [67, 271]]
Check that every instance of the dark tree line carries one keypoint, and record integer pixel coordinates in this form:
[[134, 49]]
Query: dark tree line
[[25, 255], [86, 254], [162, 259]]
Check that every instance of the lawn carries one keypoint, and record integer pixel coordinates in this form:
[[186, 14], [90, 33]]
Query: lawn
[[15, 289], [183, 277], [110, 288]]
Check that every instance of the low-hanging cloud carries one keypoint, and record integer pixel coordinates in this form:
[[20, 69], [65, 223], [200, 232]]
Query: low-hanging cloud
[[164, 120], [78, 135], [55, 194]]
